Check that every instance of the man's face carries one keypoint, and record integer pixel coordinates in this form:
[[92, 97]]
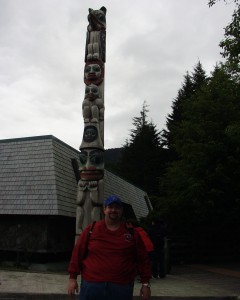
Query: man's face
[[113, 212]]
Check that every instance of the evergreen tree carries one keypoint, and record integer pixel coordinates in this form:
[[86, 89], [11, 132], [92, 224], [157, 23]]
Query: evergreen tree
[[199, 77], [202, 187], [191, 85], [175, 118], [142, 156]]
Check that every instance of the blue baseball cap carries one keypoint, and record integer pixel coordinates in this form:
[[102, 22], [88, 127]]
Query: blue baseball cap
[[112, 199]]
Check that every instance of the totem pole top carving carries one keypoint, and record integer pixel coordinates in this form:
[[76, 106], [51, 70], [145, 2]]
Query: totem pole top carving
[[97, 19], [96, 35]]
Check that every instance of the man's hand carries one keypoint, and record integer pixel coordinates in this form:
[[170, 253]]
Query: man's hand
[[145, 293], [72, 287]]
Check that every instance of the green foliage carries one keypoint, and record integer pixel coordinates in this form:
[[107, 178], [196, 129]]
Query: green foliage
[[202, 185], [231, 44], [175, 118], [191, 85], [212, 2], [200, 192], [111, 159], [142, 156]]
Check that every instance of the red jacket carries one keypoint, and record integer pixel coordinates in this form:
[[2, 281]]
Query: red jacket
[[112, 256], [146, 239]]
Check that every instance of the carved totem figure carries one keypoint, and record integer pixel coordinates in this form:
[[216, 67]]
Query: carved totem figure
[[90, 186], [96, 35]]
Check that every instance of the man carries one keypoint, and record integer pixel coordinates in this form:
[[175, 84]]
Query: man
[[157, 233], [109, 259]]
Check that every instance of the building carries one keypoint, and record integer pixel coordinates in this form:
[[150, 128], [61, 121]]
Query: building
[[38, 186]]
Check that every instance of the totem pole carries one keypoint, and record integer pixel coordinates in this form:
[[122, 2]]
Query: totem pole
[[90, 186]]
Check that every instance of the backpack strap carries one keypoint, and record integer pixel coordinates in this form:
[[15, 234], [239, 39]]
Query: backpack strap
[[87, 241], [130, 228], [91, 229]]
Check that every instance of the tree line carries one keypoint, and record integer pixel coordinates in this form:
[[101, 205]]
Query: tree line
[[191, 169]]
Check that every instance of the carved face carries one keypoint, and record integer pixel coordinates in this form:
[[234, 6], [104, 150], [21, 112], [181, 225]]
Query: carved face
[[91, 92], [90, 134], [93, 73], [91, 164]]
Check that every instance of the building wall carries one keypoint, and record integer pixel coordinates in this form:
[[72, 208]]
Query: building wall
[[36, 234]]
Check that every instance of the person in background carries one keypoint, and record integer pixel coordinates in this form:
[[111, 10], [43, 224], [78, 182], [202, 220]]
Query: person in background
[[145, 238], [109, 258], [157, 234]]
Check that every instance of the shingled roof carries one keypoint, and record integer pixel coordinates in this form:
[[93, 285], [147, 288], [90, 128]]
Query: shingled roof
[[37, 178]]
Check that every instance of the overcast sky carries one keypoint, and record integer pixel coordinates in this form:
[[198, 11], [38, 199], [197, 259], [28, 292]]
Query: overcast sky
[[150, 47]]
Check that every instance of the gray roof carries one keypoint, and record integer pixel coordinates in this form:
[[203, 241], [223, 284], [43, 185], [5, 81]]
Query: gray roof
[[128, 192], [37, 178]]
